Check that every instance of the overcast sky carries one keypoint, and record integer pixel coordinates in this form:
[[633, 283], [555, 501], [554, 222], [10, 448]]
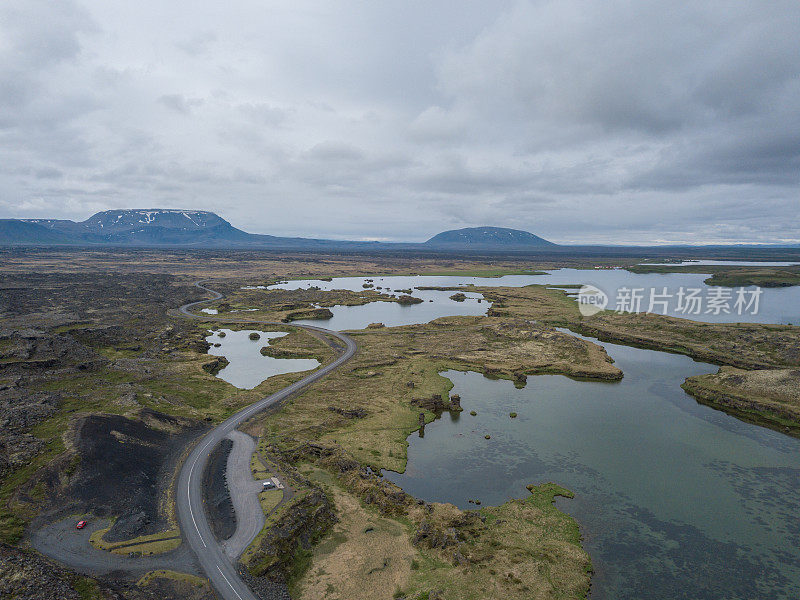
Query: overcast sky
[[606, 121]]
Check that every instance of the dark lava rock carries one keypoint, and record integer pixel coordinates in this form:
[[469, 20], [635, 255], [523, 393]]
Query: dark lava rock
[[128, 527], [352, 413], [437, 404], [19, 411], [313, 313], [264, 588], [25, 575], [301, 524], [216, 365], [405, 299]]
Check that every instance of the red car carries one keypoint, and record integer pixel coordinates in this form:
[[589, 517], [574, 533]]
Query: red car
[[80, 525]]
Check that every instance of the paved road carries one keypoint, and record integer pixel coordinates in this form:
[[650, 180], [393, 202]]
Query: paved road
[[189, 498]]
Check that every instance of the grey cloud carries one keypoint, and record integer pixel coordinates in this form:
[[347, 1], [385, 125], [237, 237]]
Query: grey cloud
[[48, 173], [580, 121], [198, 44], [180, 103], [333, 151], [264, 114]]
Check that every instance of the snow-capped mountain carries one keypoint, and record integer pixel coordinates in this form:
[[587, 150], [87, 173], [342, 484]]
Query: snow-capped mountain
[[150, 227], [113, 221]]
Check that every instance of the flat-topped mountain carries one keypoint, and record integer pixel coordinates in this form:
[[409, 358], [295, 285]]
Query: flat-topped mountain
[[487, 237], [125, 220], [146, 227]]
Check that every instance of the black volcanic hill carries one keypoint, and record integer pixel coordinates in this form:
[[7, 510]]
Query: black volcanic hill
[[487, 237]]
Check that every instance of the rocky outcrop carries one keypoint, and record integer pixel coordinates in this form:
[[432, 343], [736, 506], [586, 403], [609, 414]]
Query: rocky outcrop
[[351, 413], [437, 404], [215, 366], [312, 313], [769, 397], [448, 531], [28, 576], [19, 411], [405, 300], [304, 521], [361, 480]]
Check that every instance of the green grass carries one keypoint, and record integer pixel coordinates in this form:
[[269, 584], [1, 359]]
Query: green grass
[[731, 276], [71, 326], [156, 543], [270, 499], [87, 588], [299, 567], [174, 575]]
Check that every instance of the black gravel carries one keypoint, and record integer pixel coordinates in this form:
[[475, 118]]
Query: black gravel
[[219, 507]]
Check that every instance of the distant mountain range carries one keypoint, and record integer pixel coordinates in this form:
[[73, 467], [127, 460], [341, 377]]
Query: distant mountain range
[[203, 229]]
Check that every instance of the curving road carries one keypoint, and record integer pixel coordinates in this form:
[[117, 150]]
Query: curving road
[[220, 569]]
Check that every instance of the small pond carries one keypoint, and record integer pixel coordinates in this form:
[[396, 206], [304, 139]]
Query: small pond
[[247, 367]]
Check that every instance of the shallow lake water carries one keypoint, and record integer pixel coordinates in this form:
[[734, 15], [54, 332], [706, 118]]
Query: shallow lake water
[[247, 367], [775, 305], [724, 263], [674, 499], [435, 304]]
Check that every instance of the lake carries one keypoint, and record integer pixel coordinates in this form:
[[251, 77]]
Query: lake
[[775, 305], [675, 499]]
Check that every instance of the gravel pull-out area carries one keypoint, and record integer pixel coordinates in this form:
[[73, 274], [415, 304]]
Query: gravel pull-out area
[[70, 546], [244, 492]]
